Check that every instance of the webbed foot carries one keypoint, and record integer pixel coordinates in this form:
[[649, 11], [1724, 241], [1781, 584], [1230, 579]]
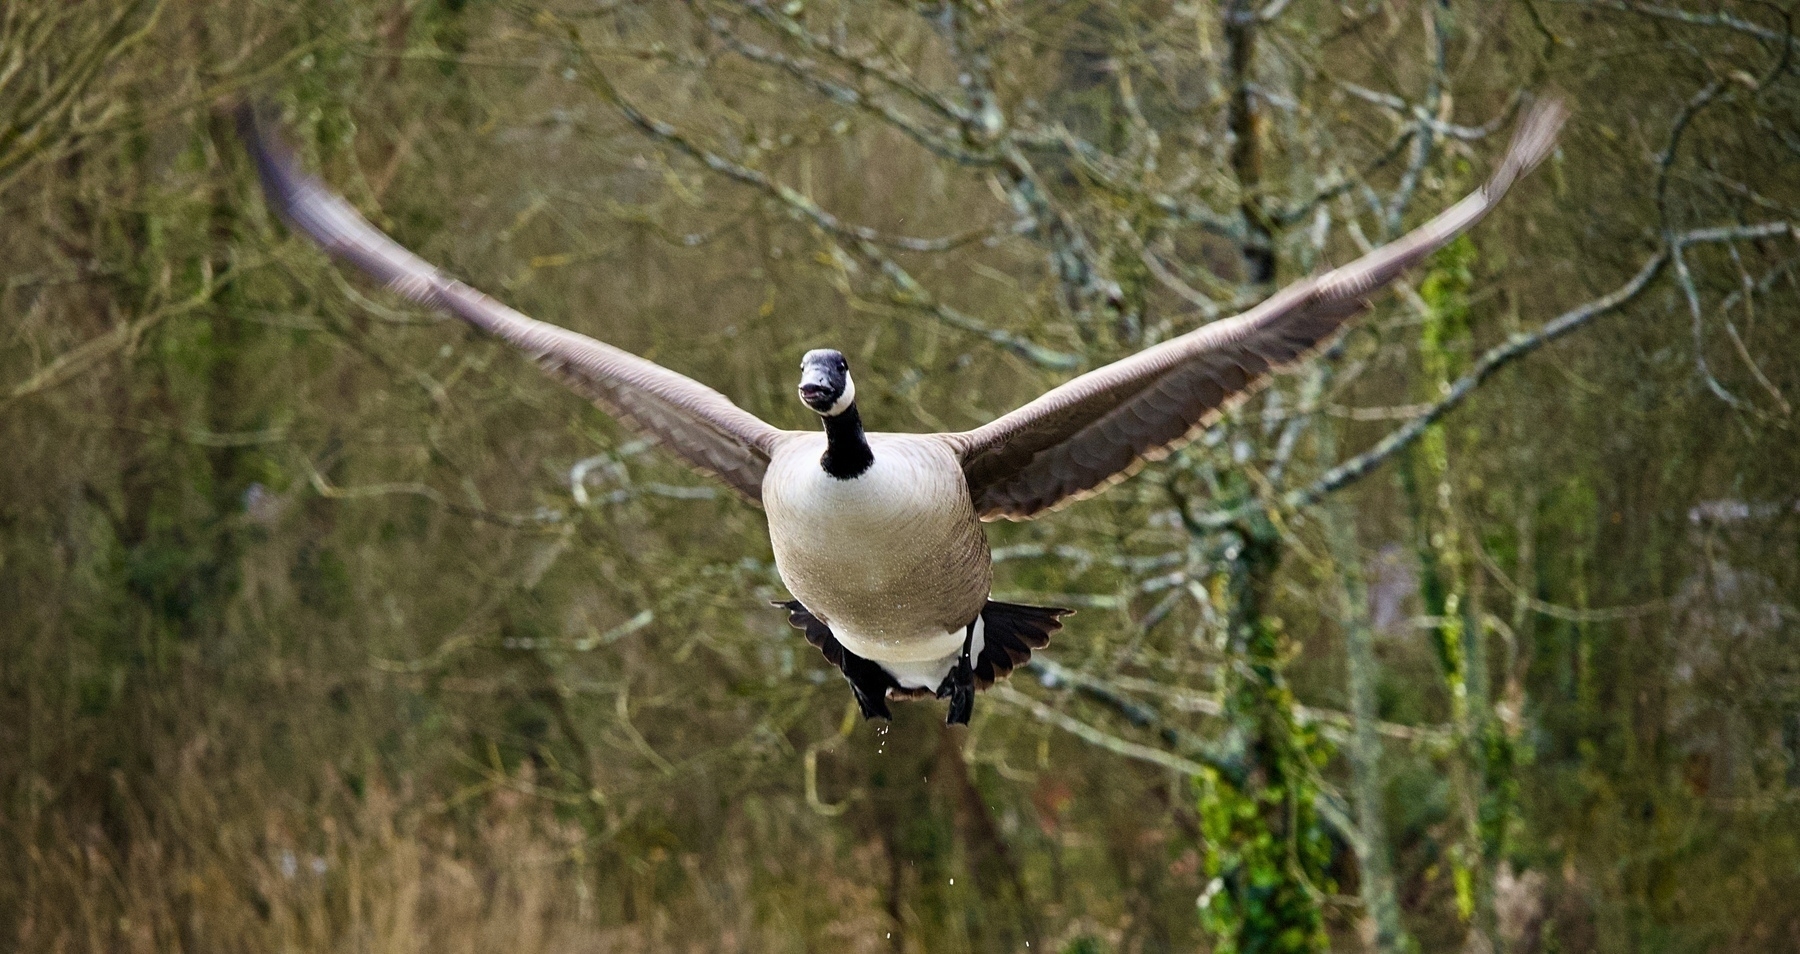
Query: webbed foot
[[959, 685]]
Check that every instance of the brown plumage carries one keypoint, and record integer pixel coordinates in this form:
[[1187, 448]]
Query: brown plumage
[[700, 425], [879, 534]]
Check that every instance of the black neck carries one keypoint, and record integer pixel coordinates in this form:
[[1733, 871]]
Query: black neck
[[847, 451]]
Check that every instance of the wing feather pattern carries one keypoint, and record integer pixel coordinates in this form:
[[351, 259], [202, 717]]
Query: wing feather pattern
[[700, 425], [1100, 428]]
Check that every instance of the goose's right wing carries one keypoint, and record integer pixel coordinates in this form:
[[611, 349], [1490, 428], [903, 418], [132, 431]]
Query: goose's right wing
[[1098, 429], [700, 425]]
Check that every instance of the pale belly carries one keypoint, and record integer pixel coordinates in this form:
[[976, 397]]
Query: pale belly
[[894, 561]]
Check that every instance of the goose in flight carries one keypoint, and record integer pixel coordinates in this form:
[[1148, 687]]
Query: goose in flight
[[878, 535]]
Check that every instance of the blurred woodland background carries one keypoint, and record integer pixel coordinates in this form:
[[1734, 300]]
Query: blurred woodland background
[[326, 625]]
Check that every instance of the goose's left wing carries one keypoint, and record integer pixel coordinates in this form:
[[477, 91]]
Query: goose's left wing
[[700, 425], [1098, 429]]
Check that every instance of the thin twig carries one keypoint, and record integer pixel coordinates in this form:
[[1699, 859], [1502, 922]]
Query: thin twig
[[1105, 740], [808, 73], [326, 489], [863, 66], [1499, 357], [1720, 19], [861, 240], [1523, 598]]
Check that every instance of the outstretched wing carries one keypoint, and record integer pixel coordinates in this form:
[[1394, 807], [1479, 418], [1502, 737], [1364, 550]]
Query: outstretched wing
[[1098, 429], [698, 424]]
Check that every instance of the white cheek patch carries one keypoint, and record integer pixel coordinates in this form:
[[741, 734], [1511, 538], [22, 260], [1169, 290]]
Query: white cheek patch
[[849, 395]]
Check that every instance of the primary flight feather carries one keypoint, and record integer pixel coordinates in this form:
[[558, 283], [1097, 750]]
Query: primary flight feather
[[878, 535]]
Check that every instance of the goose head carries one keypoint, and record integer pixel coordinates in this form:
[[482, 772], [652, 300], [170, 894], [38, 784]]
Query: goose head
[[825, 384]]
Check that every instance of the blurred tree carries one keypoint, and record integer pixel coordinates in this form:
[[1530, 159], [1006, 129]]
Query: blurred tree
[[319, 628]]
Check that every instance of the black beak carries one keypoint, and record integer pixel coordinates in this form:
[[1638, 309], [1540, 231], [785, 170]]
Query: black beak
[[815, 394]]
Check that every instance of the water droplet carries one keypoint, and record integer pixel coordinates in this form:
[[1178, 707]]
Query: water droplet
[[952, 880]]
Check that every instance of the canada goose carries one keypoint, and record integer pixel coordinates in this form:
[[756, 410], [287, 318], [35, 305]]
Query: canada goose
[[877, 535]]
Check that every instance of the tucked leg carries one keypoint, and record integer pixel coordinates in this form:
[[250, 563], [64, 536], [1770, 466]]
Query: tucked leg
[[868, 681], [959, 685]]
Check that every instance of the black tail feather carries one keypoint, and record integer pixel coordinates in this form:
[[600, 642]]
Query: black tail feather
[[1011, 631], [868, 681]]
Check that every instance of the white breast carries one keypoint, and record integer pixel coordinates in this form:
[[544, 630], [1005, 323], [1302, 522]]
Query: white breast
[[894, 561]]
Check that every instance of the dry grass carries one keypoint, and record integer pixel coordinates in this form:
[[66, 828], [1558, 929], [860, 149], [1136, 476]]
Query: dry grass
[[201, 867]]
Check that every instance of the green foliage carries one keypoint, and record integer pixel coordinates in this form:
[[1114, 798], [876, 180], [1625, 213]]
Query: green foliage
[[1444, 338], [1264, 845], [1268, 859]]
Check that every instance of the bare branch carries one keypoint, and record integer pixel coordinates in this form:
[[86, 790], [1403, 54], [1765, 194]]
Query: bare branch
[[808, 73], [1332, 724], [330, 491], [1363, 749], [1091, 735], [1493, 360], [1424, 143], [1523, 598], [30, 121], [1329, 807], [861, 65], [1419, 114], [123, 337], [1691, 294], [1496, 358], [862, 240], [1665, 162], [1720, 19], [1305, 207], [1100, 169]]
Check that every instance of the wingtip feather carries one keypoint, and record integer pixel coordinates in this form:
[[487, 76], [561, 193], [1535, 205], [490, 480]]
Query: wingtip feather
[[1536, 136], [275, 163]]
